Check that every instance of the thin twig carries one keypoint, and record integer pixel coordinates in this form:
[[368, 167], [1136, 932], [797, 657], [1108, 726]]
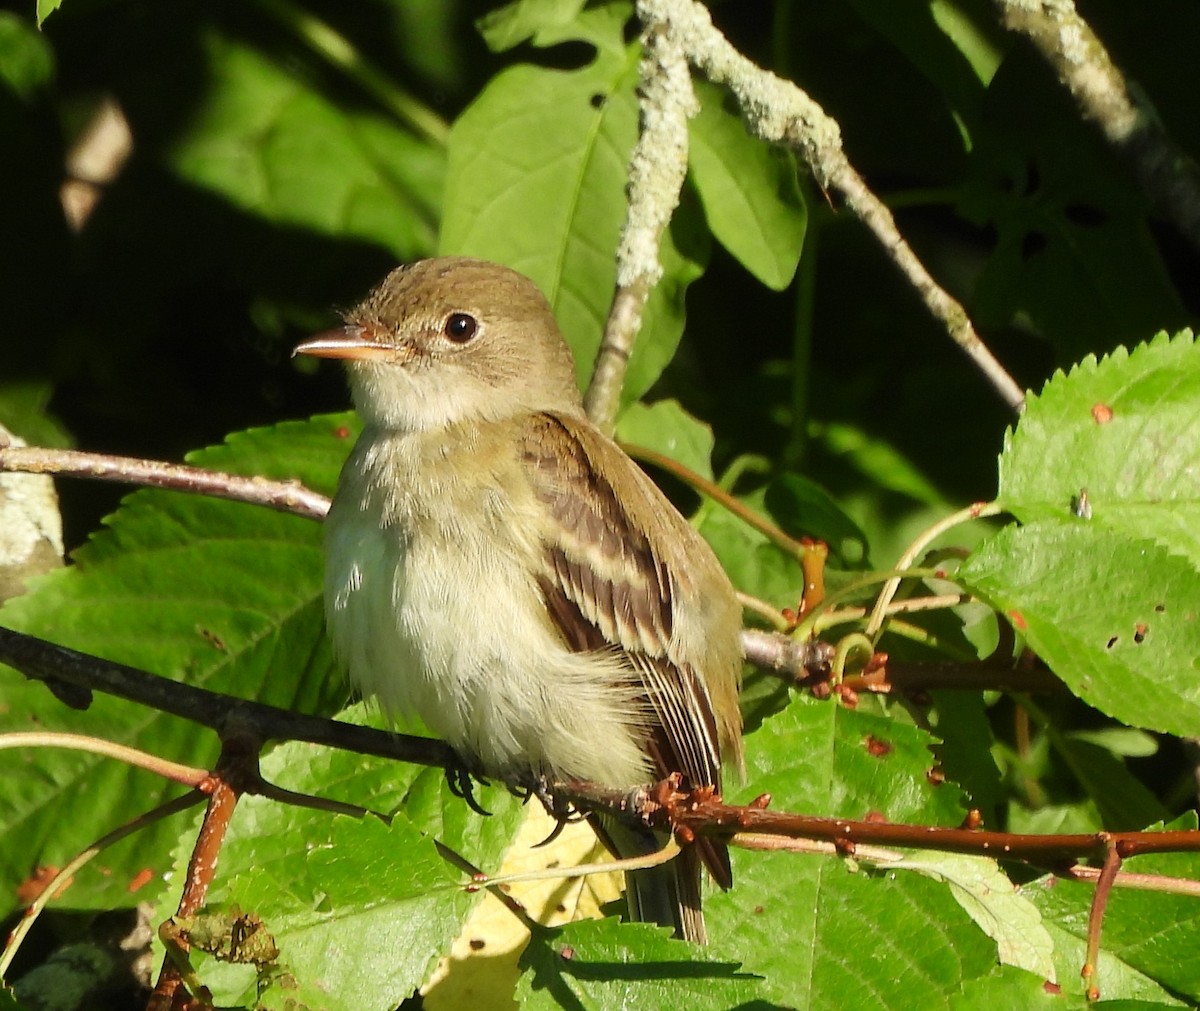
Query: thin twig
[[795, 548], [76, 864], [976, 510], [1104, 884], [1066, 41], [283, 496], [185, 774], [781, 113]]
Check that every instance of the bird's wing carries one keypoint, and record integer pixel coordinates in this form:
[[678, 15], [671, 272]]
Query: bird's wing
[[616, 572]]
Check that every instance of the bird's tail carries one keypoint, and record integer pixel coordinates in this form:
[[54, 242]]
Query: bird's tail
[[668, 894]]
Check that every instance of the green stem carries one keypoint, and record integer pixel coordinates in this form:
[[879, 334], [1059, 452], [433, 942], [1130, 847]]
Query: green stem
[[340, 52], [802, 339]]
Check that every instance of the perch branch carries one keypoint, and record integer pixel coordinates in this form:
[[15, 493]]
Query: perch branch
[[40, 660]]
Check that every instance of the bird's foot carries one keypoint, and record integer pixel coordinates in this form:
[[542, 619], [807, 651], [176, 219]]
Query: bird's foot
[[461, 781]]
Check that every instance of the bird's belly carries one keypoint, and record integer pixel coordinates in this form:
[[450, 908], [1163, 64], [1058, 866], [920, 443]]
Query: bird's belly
[[457, 635]]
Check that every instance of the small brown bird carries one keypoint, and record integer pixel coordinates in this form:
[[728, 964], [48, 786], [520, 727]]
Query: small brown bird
[[499, 567]]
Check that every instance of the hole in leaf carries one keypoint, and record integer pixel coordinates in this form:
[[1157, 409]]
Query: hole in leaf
[[1032, 244], [1112, 642], [1085, 215]]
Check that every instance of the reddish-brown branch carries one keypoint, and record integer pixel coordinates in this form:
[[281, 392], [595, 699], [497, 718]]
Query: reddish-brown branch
[[1104, 884], [201, 869], [700, 812]]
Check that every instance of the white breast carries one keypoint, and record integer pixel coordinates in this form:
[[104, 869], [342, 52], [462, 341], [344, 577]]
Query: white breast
[[438, 615]]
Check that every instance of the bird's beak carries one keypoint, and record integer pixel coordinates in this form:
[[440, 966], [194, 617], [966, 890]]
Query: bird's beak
[[349, 341]]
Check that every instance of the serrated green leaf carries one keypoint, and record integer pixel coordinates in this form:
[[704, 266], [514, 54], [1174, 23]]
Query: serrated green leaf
[[269, 142], [219, 594], [1115, 618], [358, 909], [749, 190], [787, 915], [607, 965], [993, 902], [1125, 431], [536, 180], [667, 428]]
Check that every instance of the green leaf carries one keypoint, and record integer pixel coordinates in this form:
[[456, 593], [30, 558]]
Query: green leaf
[[1007, 986], [269, 142], [23, 411], [1074, 259], [358, 909], [1123, 801], [1114, 617], [803, 508], [754, 563], [45, 8], [536, 180], [1126, 431], [993, 902], [603, 964], [9, 1002], [788, 914], [749, 190], [514, 23], [222, 595], [26, 60], [949, 47], [667, 428]]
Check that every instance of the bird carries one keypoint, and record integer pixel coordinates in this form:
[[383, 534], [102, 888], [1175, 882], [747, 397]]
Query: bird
[[500, 568]]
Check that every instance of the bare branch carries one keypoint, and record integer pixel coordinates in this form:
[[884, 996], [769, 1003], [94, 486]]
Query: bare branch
[[283, 496]]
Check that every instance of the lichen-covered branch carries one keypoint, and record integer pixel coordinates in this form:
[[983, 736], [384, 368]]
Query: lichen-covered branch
[[781, 113], [657, 169], [1066, 41]]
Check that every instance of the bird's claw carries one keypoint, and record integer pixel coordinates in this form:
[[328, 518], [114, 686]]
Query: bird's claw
[[462, 785]]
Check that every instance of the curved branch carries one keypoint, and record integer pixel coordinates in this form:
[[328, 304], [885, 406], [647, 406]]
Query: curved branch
[[781, 113]]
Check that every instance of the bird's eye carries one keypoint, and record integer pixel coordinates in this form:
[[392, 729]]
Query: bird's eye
[[460, 327]]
